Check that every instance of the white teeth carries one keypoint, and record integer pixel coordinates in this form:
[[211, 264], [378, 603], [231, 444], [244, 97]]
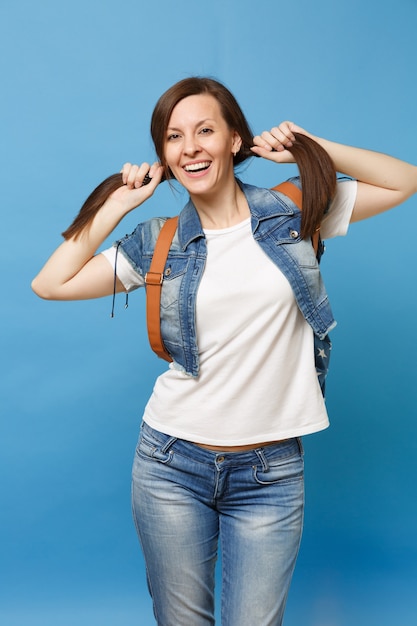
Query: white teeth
[[195, 167]]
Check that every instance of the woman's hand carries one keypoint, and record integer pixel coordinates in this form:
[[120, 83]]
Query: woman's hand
[[273, 144], [134, 192]]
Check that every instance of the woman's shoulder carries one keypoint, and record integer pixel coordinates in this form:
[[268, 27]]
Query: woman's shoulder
[[142, 239], [148, 228]]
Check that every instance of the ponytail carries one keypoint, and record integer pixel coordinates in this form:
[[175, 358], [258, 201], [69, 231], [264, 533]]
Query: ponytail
[[91, 206], [318, 181]]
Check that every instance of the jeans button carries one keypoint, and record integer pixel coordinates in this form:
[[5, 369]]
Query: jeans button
[[220, 459]]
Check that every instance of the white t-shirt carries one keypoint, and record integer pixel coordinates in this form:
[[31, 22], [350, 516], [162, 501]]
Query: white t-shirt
[[257, 380]]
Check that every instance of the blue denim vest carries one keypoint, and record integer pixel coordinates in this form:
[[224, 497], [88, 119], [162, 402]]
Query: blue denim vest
[[276, 226]]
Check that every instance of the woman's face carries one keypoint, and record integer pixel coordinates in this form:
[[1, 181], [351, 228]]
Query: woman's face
[[199, 145]]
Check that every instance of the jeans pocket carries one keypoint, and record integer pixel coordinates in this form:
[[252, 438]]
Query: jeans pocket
[[285, 471], [150, 448]]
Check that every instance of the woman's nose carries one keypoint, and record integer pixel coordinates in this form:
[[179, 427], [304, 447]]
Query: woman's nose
[[191, 145]]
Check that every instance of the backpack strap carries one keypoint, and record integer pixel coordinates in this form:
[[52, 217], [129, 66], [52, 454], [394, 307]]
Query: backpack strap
[[295, 194], [153, 282], [292, 191], [155, 276]]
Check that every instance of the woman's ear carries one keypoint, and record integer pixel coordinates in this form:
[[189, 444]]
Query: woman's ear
[[237, 143]]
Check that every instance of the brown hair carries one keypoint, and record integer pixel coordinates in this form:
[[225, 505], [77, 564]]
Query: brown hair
[[317, 172]]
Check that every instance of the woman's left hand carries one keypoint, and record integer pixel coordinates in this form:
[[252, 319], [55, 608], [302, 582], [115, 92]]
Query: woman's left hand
[[273, 144]]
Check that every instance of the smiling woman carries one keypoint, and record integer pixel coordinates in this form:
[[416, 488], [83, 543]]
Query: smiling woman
[[243, 308], [198, 153]]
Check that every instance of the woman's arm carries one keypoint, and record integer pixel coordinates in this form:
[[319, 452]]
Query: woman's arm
[[383, 181], [73, 272]]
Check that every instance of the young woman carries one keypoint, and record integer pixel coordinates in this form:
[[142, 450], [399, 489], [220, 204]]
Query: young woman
[[243, 312]]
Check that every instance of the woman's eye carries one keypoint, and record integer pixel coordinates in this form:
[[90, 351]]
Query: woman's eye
[[172, 136], [206, 131]]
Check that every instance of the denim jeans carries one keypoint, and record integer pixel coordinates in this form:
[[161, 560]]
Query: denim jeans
[[188, 500]]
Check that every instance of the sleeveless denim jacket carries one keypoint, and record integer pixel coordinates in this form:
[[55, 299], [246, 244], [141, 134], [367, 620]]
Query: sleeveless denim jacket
[[275, 224]]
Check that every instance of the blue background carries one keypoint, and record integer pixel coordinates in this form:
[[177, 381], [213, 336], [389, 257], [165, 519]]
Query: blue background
[[79, 80]]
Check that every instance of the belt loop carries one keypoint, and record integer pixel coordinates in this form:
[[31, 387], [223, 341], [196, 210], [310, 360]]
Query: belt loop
[[300, 445], [168, 444], [262, 458]]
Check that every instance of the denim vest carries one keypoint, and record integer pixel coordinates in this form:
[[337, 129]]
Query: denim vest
[[275, 224]]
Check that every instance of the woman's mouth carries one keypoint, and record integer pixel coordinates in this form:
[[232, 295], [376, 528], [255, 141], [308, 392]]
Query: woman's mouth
[[197, 168]]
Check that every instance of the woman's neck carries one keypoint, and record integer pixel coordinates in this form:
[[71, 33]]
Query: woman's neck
[[223, 210]]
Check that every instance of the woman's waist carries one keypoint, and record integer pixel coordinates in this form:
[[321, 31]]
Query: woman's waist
[[243, 448]]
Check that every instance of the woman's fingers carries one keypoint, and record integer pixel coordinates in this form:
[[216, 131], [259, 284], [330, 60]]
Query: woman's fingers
[[155, 173], [134, 175], [278, 138], [139, 183]]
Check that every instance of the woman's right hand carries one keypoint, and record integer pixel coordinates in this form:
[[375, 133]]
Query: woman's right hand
[[133, 192]]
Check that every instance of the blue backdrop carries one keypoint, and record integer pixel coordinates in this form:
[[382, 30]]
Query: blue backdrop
[[79, 81]]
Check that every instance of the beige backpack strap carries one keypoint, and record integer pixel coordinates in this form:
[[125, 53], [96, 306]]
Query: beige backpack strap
[[295, 194], [153, 282]]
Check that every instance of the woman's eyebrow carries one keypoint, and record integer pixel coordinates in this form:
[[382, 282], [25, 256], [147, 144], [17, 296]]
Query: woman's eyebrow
[[208, 119]]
